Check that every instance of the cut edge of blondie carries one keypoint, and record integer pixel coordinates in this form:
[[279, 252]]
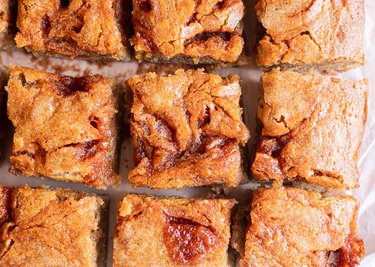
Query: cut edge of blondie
[[243, 59]]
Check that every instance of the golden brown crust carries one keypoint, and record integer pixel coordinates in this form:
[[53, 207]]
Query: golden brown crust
[[313, 129], [5, 17], [74, 28], [6, 24], [198, 30], [5, 209], [172, 232], [65, 128], [187, 130], [313, 32], [293, 227], [51, 228]]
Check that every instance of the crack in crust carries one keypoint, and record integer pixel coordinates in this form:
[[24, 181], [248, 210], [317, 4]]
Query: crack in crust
[[323, 34], [49, 227], [172, 231], [84, 28], [312, 230], [193, 29], [187, 130], [313, 128], [64, 127]]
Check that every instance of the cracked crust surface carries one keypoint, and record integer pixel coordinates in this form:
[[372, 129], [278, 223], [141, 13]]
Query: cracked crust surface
[[293, 227], [187, 130], [312, 129], [324, 34], [201, 30], [65, 128], [45, 227], [172, 232], [73, 28]]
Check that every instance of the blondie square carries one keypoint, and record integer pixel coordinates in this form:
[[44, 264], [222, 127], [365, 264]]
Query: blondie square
[[43, 227], [7, 26], [187, 130], [312, 129], [293, 227], [73, 28], [326, 35], [65, 127], [172, 232], [188, 31]]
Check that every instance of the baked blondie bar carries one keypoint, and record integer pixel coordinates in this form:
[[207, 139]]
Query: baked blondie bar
[[325, 35], [43, 227], [312, 129], [187, 130], [293, 227], [65, 127], [172, 232], [73, 28], [188, 31]]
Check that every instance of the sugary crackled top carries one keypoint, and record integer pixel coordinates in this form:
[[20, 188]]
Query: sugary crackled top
[[293, 227], [310, 31], [172, 232], [186, 129], [190, 28], [313, 129], [49, 228], [64, 126], [75, 28]]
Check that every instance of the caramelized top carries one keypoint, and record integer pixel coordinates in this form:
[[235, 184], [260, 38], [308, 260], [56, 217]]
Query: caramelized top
[[51, 228], [61, 117], [74, 28], [67, 85], [172, 232], [301, 32], [188, 242], [294, 227], [190, 28], [187, 118], [312, 129]]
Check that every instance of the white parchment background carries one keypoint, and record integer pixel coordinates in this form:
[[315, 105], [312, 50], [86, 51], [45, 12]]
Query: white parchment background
[[366, 193], [251, 92]]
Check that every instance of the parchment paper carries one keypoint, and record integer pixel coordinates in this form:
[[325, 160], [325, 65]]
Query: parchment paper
[[250, 75]]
